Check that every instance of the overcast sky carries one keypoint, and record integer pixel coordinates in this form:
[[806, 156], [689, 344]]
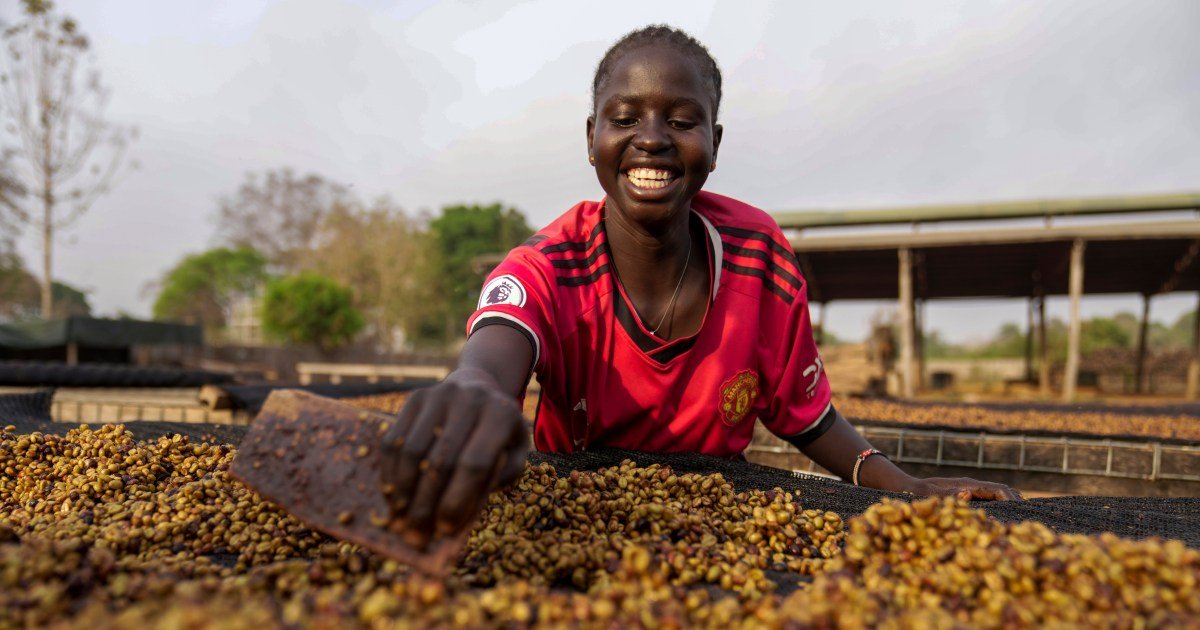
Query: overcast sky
[[827, 105]]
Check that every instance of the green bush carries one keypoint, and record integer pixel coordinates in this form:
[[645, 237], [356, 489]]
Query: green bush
[[309, 308]]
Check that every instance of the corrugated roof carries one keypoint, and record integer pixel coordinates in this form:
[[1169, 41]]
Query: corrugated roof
[[988, 211]]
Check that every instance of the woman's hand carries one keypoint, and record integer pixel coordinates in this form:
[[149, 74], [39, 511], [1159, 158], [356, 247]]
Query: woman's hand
[[453, 443], [964, 488]]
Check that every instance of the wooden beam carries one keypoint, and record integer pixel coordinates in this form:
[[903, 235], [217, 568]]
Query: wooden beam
[[907, 354], [72, 353], [1139, 368], [1071, 374]]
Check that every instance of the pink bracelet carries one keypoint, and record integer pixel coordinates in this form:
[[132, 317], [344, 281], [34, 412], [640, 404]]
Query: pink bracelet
[[862, 457]]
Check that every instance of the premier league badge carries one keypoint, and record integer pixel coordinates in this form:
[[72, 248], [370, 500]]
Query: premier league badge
[[504, 289]]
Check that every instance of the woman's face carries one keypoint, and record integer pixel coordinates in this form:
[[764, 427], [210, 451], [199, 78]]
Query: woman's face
[[653, 136]]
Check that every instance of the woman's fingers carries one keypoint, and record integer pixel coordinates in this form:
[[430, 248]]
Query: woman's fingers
[[393, 444], [462, 420], [992, 492], [969, 489], [424, 427], [516, 455], [486, 456]]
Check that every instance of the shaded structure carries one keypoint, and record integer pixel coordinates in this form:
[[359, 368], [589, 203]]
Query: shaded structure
[[980, 256], [87, 339]]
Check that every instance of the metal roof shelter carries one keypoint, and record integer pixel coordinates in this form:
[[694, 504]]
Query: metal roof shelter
[[78, 338], [983, 257]]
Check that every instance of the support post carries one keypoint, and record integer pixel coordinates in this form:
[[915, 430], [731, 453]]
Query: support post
[[1193, 376], [1043, 350], [72, 353], [1139, 368], [907, 354], [919, 341], [1029, 340], [1071, 373]]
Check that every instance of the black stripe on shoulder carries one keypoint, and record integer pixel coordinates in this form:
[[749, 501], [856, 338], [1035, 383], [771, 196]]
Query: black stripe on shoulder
[[578, 281], [575, 246], [786, 252], [534, 240], [775, 268], [580, 263], [761, 274]]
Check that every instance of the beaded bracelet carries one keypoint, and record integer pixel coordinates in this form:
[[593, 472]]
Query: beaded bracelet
[[862, 457]]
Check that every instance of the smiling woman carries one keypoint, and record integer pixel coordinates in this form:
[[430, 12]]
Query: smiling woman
[[662, 318]]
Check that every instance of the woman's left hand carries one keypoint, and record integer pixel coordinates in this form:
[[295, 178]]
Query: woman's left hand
[[964, 488]]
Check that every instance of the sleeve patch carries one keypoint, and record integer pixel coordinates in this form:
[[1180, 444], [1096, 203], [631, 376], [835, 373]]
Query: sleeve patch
[[505, 289]]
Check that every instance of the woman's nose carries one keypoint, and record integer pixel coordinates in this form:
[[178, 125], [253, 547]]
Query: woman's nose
[[652, 137]]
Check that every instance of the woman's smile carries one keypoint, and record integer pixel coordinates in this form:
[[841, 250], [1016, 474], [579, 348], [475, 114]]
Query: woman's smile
[[649, 178], [650, 185]]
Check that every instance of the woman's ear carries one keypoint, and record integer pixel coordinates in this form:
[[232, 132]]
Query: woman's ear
[[718, 131], [591, 127]]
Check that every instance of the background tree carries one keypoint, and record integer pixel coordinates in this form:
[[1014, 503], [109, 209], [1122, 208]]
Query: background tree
[[458, 237], [15, 284], [69, 301], [66, 154], [310, 308], [377, 252], [202, 288], [12, 193], [1177, 336], [280, 215], [20, 292]]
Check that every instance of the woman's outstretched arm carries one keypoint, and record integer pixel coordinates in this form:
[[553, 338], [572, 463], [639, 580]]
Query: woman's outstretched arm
[[456, 441], [839, 447]]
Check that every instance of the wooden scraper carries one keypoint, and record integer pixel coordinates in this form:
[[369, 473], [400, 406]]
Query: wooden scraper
[[319, 459]]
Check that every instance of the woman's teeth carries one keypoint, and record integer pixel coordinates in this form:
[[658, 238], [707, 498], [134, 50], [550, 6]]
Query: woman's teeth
[[649, 177]]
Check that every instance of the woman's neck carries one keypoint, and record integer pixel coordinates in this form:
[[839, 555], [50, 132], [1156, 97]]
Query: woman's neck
[[649, 260]]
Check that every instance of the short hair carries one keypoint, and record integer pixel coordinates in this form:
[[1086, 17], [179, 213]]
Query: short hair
[[660, 35]]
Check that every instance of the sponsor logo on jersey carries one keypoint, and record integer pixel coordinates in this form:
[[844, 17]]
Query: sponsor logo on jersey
[[814, 371], [504, 289], [738, 395]]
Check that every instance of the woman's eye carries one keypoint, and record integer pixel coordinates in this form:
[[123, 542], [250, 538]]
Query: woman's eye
[[624, 122], [682, 124]]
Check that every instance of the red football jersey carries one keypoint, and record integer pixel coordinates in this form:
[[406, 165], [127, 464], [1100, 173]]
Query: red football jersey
[[606, 380]]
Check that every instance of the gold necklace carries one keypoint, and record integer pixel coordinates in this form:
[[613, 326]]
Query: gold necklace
[[678, 285]]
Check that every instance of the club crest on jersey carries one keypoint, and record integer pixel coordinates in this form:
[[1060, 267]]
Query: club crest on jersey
[[738, 395], [504, 289]]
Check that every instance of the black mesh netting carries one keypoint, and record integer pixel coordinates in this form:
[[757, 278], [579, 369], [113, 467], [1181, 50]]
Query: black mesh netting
[[1133, 517], [30, 410], [42, 374]]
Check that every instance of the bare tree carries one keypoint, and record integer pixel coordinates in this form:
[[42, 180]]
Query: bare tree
[[280, 215], [377, 251], [52, 101]]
